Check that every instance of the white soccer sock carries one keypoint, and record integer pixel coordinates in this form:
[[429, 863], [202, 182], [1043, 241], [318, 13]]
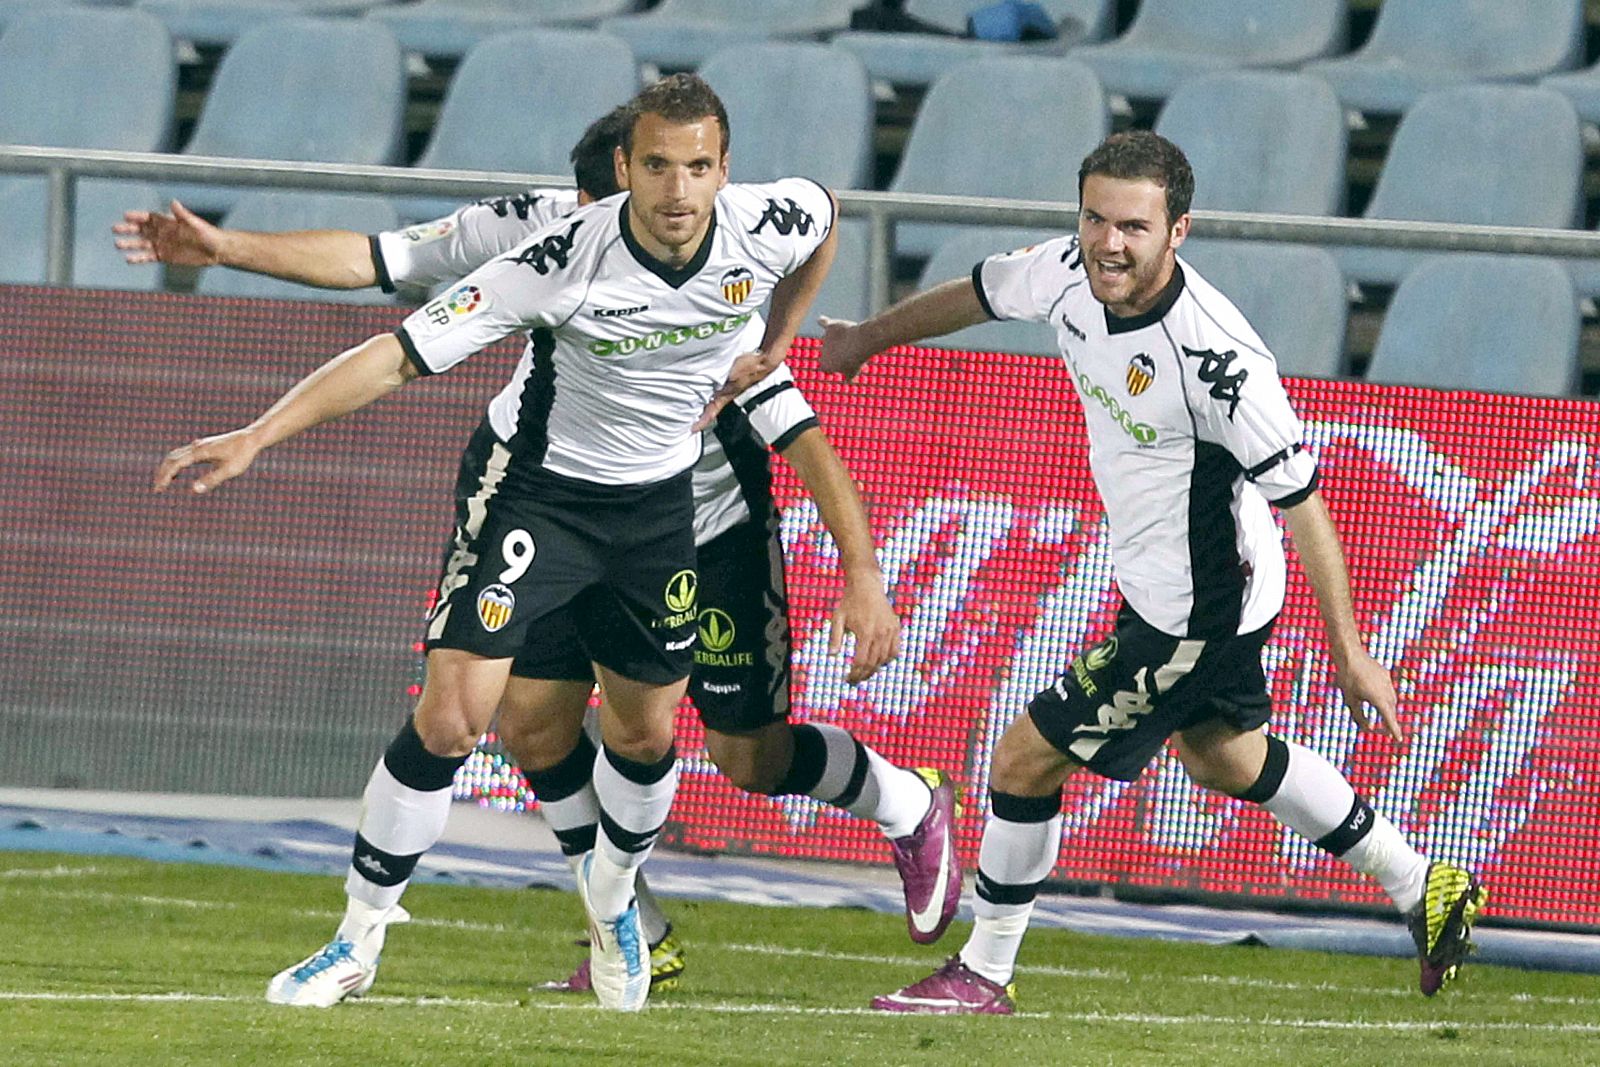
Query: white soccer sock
[[1013, 859], [631, 814], [651, 917], [891, 796], [365, 927], [1315, 800], [398, 823]]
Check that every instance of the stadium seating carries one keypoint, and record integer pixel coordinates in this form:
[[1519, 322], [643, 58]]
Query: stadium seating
[[971, 137], [680, 34], [1171, 41], [955, 259], [1505, 155], [520, 101], [919, 58], [795, 108], [274, 210], [453, 27], [1420, 45], [1489, 323], [126, 105], [221, 22], [302, 89], [1260, 141], [1293, 295], [1582, 87]]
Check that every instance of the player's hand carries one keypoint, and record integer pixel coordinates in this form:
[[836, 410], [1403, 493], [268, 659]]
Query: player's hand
[[181, 238], [843, 351], [747, 370], [227, 455], [865, 612], [1364, 682]]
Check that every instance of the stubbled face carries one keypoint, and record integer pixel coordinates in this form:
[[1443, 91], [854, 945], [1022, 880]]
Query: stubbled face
[[673, 175], [1128, 246]]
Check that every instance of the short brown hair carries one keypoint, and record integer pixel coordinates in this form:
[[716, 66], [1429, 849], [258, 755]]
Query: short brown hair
[[1143, 154], [678, 98]]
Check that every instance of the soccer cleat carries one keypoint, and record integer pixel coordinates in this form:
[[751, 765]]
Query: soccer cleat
[[929, 869], [1441, 924], [619, 958], [954, 989], [666, 968], [324, 978]]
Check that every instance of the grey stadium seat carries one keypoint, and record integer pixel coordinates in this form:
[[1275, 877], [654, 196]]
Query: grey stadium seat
[[1489, 323], [125, 105], [973, 137], [1420, 45], [276, 210], [1260, 141], [1498, 155], [520, 101], [919, 58], [221, 22], [302, 89], [1293, 295], [680, 34], [955, 259], [1171, 41], [795, 108], [454, 27], [846, 291]]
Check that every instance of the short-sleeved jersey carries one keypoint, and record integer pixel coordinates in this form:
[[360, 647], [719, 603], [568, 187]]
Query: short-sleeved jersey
[[1190, 435], [449, 248], [733, 480], [625, 351]]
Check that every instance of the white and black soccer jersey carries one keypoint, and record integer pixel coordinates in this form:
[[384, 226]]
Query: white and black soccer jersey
[[733, 480], [1190, 435], [443, 250], [625, 351]]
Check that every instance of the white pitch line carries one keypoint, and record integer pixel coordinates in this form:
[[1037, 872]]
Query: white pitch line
[[722, 1008], [58, 871]]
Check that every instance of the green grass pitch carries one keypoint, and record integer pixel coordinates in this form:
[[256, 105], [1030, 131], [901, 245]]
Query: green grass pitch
[[117, 961]]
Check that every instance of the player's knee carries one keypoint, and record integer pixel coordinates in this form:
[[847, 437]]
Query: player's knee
[[444, 734], [534, 742], [640, 740]]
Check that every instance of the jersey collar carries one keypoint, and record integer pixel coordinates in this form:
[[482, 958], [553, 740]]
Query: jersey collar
[[673, 276], [1158, 310]]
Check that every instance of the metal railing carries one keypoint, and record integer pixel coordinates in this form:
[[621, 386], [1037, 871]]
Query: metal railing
[[64, 167]]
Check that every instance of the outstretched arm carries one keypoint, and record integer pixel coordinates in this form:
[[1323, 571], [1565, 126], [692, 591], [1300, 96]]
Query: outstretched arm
[[329, 259], [947, 307], [351, 380], [863, 610], [1360, 678]]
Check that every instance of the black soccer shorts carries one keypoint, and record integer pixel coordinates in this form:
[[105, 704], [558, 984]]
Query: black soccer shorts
[[1117, 704], [556, 572], [740, 680]]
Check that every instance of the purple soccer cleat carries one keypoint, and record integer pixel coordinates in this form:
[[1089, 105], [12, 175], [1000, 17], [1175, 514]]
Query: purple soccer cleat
[[953, 989], [929, 869]]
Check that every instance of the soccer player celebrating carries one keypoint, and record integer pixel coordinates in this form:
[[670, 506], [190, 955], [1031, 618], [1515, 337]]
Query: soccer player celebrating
[[1187, 454], [532, 441]]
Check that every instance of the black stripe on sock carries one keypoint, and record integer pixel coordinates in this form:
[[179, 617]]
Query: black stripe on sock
[[1348, 834], [572, 773], [414, 767], [642, 773], [1013, 808], [1270, 780], [858, 778], [380, 867], [810, 759], [625, 839], [578, 840], [1002, 893]]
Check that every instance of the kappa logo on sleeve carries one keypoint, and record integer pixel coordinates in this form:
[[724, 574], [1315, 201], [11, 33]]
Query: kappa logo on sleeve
[[1216, 371], [788, 217], [521, 205], [550, 253]]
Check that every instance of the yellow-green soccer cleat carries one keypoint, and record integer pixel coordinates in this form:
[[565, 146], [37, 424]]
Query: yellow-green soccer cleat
[[666, 967], [1441, 924]]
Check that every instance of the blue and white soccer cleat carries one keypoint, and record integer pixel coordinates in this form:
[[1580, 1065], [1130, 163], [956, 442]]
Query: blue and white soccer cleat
[[619, 956], [323, 979]]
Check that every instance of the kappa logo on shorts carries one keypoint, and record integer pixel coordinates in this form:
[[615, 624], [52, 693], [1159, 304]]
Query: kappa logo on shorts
[[495, 605], [716, 630]]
